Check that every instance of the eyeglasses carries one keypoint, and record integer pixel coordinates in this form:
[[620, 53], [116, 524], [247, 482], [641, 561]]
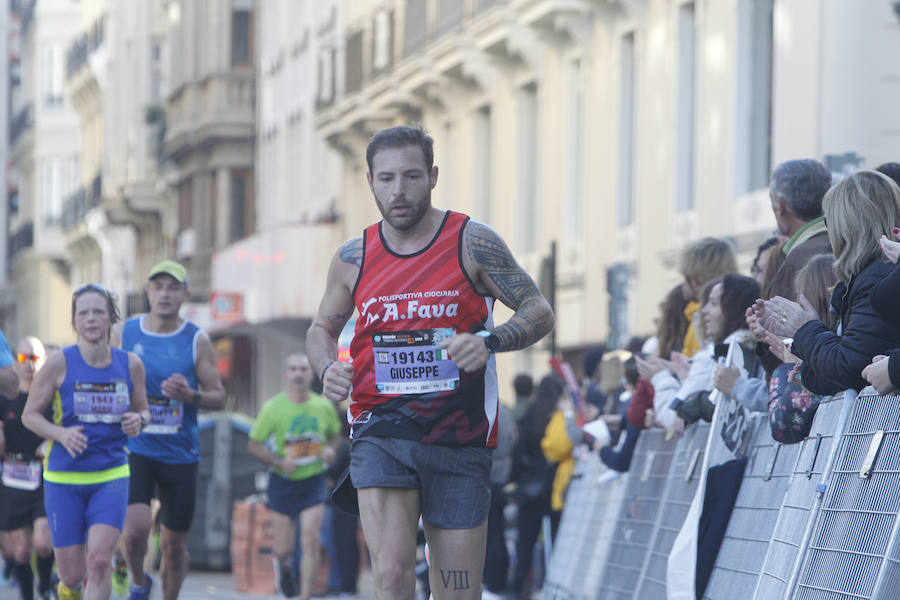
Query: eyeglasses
[[26, 357]]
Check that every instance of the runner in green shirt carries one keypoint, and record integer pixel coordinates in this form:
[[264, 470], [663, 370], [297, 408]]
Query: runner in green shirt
[[292, 435]]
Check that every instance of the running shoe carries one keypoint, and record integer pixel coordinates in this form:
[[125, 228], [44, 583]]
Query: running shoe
[[141, 592], [120, 581], [287, 584]]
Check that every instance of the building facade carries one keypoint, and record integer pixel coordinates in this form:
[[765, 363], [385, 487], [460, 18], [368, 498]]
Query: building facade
[[267, 283], [121, 218], [621, 130], [44, 168]]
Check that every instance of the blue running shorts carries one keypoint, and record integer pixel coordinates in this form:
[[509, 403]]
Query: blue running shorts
[[73, 509]]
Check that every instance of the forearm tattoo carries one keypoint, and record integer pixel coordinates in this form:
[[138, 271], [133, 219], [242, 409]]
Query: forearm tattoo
[[351, 252], [533, 317]]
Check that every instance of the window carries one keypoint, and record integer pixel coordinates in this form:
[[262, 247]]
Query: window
[[185, 204], [684, 161], [627, 98], [528, 159], [156, 72], [382, 40], [483, 166], [754, 129], [574, 219], [52, 75], [241, 37], [243, 211]]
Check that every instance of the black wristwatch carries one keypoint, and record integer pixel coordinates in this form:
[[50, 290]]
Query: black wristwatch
[[491, 341], [143, 421]]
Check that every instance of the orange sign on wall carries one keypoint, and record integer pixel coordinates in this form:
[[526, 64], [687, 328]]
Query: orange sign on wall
[[227, 306]]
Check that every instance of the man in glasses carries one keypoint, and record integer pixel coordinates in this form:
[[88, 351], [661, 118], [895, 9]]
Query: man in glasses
[[9, 381], [23, 521], [181, 377]]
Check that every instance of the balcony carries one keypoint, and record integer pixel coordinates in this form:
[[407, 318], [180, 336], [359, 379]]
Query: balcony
[[445, 47], [83, 46], [23, 238], [27, 10], [218, 108], [21, 122], [80, 202]]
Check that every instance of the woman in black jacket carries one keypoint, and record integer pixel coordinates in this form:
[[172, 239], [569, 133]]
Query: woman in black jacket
[[858, 211]]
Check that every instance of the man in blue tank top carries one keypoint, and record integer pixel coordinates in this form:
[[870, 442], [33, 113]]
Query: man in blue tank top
[[181, 377]]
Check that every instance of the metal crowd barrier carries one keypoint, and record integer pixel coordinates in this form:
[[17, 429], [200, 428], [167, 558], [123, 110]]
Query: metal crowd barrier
[[590, 521], [637, 516], [676, 501], [819, 520], [853, 549], [810, 462], [755, 513]]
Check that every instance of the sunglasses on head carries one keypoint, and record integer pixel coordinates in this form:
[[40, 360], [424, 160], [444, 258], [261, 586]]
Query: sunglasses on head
[[26, 357]]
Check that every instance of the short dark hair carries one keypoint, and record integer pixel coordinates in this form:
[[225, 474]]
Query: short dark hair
[[802, 184], [738, 293], [631, 371], [591, 359], [401, 136], [523, 384], [891, 169]]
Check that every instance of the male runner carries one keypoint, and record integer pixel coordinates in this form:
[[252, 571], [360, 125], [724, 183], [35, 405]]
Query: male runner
[[299, 424], [181, 377], [423, 280], [23, 521]]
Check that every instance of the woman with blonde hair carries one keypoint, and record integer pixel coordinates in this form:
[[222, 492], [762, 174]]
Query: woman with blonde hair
[[858, 211]]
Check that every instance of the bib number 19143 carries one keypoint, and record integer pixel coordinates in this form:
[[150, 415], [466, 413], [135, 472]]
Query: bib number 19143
[[413, 362]]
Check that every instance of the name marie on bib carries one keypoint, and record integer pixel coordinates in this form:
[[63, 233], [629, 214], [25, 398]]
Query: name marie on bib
[[101, 402]]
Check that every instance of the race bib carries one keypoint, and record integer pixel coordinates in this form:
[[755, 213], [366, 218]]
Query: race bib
[[412, 362], [22, 474], [303, 450], [166, 415], [100, 402]]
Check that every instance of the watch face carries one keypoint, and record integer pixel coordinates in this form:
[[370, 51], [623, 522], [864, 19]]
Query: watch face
[[492, 342]]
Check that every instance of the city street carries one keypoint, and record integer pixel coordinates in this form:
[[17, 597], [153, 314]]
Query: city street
[[210, 584]]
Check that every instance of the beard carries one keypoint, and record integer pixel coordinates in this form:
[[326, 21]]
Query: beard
[[416, 211]]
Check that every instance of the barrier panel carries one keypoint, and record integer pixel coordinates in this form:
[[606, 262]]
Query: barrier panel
[[636, 518], [743, 550], [811, 462], [853, 549], [579, 523], [681, 485], [590, 521]]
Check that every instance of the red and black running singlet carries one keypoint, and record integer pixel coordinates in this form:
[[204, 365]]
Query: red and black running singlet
[[404, 385]]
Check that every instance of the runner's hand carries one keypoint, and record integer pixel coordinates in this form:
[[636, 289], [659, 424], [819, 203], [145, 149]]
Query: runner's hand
[[327, 455], [468, 351], [336, 385], [176, 387], [286, 465], [131, 424], [73, 440]]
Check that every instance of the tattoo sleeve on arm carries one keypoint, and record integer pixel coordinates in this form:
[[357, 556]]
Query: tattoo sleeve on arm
[[533, 318], [352, 252]]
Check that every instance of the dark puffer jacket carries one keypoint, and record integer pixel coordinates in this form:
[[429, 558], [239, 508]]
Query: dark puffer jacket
[[885, 294], [832, 362]]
